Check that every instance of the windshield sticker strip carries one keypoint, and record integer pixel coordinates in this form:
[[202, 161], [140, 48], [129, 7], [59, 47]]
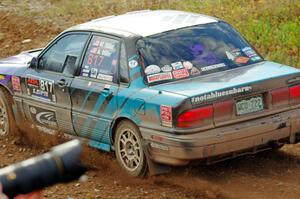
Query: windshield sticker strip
[[218, 94]]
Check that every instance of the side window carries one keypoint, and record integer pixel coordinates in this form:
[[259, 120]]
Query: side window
[[124, 76], [101, 59], [65, 53]]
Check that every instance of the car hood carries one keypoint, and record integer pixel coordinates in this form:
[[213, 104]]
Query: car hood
[[242, 76], [11, 65]]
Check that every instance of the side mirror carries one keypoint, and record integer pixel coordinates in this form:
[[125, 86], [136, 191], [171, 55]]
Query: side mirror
[[34, 63]]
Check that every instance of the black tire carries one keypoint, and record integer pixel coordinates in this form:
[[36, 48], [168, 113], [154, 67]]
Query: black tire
[[129, 149], [7, 120], [276, 146]]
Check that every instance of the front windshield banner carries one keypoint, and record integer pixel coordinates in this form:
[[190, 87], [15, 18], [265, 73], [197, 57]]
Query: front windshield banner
[[194, 51]]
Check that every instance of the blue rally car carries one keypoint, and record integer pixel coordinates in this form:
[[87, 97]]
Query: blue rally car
[[157, 87]]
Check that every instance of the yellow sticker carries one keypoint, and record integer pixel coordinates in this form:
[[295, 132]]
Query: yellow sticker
[[2, 76]]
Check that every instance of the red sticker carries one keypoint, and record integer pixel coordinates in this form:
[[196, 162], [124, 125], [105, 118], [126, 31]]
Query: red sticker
[[16, 83], [159, 77], [33, 82], [181, 73], [166, 115]]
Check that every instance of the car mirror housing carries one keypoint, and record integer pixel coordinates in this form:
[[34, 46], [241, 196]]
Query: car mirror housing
[[34, 63]]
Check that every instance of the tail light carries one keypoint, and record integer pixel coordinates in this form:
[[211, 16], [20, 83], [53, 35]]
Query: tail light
[[196, 117], [223, 110], [294, 94], [284, 96], [206, 115], [280, 96]]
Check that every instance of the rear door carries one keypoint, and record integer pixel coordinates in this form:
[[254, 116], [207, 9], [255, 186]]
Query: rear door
[[47, 101], [94, 90]]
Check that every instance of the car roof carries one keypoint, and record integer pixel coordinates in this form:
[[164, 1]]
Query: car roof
[[145, 23]]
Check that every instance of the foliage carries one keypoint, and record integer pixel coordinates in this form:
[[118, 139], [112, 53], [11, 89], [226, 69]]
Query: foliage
[[272, 27]]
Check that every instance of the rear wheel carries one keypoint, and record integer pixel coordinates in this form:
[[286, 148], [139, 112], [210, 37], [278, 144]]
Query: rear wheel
[[7, 121], [129, 149]]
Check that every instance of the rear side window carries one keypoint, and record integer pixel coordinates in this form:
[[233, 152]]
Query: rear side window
[[101, 59], [65, 52]]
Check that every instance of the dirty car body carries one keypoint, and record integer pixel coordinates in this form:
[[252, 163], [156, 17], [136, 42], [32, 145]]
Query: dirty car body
[[193, 87]]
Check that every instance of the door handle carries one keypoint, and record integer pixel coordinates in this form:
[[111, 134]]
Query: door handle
[[107, 93], [62, 83]]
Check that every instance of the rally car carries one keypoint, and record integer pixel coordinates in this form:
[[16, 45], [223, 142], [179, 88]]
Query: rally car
[[157, 87]]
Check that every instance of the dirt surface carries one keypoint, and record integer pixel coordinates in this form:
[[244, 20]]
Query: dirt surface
[[273, 175]]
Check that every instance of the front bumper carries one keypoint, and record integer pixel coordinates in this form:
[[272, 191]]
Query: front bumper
[[175, 149]]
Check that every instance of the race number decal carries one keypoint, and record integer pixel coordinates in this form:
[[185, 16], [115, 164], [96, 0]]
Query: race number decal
[[41, 88]]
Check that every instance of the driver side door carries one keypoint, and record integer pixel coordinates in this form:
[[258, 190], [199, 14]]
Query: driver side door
[[47, 101]]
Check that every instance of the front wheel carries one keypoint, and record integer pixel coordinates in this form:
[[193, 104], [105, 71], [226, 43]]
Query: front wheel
[[7, 122], [129, 149]]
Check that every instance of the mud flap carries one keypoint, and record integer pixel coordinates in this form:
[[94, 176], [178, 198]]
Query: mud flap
[[154, 168], [17, 112]]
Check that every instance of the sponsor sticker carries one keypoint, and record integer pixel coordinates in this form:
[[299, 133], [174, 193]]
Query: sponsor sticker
[[106, 53], [16, 83], [166, 115], [256, 58], [242, 60], [133, 64], [85, 74], [166, 68], [236, 52], [177, 65], [159, 77], [249, 52], [246, 48], [218, 94], [230, 56], [109, 46], [94, 72], [188, 65], [181, 73], [133, 57], [152, 69], [195, 71], [2, 77], [86, 67], [86, 71], [43, 116], [33, 82], [213, 67], [105, 77], [94, 50], [40, 94]]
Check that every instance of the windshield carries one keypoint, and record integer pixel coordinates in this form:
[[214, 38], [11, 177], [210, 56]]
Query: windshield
[[194, 51]]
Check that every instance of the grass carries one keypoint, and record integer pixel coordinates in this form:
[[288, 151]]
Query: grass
[[272, 27]]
